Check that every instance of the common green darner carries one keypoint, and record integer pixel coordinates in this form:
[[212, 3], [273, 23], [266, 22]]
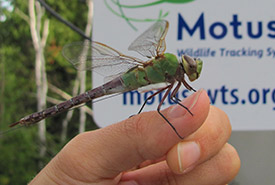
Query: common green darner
[[132, 73]]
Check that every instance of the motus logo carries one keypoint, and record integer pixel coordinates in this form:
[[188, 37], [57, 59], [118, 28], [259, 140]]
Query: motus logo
[[118, 9], [219, 30]]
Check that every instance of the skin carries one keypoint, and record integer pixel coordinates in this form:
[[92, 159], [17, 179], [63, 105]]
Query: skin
[[145, 150]]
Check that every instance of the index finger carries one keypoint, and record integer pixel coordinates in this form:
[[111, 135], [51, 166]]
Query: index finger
[[107, 152]]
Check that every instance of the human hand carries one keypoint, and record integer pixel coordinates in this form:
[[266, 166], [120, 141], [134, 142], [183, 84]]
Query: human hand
[[145, 150]]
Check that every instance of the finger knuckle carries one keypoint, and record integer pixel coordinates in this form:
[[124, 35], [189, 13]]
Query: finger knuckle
[[136, 129], [135, 126]]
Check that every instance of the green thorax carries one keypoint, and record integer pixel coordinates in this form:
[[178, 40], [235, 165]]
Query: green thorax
[[154, 71]]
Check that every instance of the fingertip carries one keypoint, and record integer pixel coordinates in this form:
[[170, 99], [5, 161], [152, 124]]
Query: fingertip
[[183, 157], [185, 106], [188, 121], [203, 103], [232, 159]]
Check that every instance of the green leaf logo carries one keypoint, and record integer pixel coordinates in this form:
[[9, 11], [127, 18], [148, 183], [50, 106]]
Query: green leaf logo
[[115, 4]]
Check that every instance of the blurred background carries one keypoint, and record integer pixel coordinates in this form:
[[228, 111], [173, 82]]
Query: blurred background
[[35, 75]]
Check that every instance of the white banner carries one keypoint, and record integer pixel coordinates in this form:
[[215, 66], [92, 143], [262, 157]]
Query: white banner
[[235, 40]]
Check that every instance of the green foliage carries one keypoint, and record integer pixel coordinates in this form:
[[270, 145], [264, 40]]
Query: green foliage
[[19, 156], [19, 148]]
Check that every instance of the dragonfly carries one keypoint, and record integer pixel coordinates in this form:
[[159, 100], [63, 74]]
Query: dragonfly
[[128, 73]]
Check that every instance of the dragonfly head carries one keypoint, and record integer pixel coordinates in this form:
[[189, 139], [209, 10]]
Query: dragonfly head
[[192, 67]]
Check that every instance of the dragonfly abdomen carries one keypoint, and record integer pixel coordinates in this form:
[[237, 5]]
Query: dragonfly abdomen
[[111, 87]]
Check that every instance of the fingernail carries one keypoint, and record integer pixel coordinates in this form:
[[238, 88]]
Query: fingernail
[[128, 183], [188, 102], [188, 154]]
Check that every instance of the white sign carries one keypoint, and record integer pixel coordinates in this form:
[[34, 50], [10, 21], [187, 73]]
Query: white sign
[[234, 38]]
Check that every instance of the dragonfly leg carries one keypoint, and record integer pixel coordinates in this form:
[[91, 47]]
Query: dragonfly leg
[[174, 92], [159, 107], [188, 86], [150, 97], [176, 100]]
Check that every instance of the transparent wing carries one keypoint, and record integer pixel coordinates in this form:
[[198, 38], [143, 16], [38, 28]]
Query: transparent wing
[[151, 43], [111, 77], [98, 57]]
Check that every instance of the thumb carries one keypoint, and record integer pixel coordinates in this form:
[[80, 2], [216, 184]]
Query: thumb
[[105, 153]]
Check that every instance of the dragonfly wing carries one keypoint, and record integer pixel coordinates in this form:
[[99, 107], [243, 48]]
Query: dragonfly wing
[[98, 57], [151, 43], [111, 77]]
